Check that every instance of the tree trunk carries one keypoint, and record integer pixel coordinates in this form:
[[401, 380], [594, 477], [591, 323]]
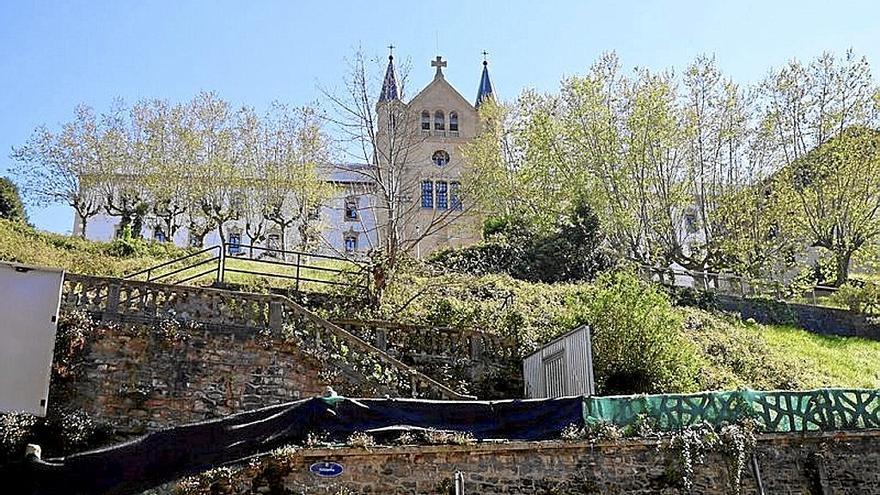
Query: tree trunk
[[85, 221], [842, 260]]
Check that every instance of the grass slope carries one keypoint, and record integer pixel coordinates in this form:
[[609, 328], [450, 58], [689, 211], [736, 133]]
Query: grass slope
[[23, 244]]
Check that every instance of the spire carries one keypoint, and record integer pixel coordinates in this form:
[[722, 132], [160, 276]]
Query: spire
[[389, 85], [485, 89]]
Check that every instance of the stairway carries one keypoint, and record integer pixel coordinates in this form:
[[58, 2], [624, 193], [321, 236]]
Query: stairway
[[125, 300]]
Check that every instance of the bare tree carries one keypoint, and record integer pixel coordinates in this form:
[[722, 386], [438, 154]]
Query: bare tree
[[386, 136]]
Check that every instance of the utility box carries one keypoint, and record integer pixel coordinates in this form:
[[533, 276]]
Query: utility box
[[561, 368], [30, 298]]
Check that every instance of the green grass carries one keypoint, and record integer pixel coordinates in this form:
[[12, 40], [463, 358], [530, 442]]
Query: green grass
[[23, 244], [314, 268], [741, 355], [827, 361]]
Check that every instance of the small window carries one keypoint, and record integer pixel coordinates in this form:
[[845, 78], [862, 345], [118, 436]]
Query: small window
[[453, 121], [427, 194], [273, 241], [351, 242], [440, 158], [426, 120], [234, 244], [159, 235], [439, 121], [690, 223], [351, 209], [455, 195], [442, 200]]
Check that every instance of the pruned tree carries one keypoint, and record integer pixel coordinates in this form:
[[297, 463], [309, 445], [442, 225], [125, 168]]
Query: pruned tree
[[65, 168], [294, 147], [819, 119], [164, 135], [217, 180]]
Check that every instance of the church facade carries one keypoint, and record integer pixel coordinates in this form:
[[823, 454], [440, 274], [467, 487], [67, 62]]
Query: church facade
[[428, 209]]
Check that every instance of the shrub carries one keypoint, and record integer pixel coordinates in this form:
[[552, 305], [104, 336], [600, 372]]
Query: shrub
[[859, 298], [637, 342], [11, 206], [570, 251]]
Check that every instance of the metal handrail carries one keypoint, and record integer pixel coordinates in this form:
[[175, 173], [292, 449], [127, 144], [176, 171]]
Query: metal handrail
[[162, 265], [732, 280]]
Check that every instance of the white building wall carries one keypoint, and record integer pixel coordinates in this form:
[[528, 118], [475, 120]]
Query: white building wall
[[335, 226]]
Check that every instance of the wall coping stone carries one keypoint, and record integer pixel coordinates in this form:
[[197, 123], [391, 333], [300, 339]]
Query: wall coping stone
[[623, 444]]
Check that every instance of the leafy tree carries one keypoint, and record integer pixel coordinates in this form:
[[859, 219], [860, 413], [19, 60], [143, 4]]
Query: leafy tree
[[818, 119], [571, 250], [67, 167], [11, 206], [835, 192]]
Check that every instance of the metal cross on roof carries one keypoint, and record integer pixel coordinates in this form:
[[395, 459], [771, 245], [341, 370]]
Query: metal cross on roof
[[439, 63]]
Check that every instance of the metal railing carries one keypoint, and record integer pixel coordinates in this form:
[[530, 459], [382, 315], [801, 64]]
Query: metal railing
[[734, 285], [297, 266], [301, 267]]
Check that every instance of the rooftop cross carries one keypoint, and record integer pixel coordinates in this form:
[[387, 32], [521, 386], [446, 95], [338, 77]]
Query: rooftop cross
[[390, 51], [485, 55], [439, 63]]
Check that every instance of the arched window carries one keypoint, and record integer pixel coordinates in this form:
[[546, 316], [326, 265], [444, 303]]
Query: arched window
[[453, 121], [439, 121], [440, 158], [426, 120]]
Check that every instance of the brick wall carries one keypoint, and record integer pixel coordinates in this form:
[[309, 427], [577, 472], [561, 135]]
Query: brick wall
[[790, 464], [138, 379]]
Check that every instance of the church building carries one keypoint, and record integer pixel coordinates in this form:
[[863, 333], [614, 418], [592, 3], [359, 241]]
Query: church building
[[424, 205]]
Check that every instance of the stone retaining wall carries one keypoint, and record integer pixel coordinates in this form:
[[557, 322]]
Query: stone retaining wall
[[136, 379], [816, 319], [844, 463]]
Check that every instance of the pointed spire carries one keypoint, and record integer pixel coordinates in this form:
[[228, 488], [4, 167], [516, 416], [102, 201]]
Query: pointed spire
[[485, 89], [390, 90]]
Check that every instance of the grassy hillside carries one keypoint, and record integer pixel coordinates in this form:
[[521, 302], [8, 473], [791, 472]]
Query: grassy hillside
[[24, 244], [721, 351], [738, 355]]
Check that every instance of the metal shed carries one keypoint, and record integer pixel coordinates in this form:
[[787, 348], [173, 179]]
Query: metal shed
[[29, 301], [562, 367]]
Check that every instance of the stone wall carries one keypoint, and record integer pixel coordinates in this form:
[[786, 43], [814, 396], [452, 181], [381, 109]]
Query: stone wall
[[141, 378], [790, 464], [816, 319]]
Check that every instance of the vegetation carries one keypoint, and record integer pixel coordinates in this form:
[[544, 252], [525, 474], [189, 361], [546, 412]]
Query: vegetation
[[11, 206], [643, 343], [197, 164], [692, 168], [24, 244], [569, 250]]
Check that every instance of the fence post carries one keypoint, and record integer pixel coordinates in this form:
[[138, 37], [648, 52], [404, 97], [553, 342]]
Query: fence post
[[221, 263], [298, 259]]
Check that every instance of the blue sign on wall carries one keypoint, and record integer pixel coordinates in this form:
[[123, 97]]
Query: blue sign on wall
[[326, 469]]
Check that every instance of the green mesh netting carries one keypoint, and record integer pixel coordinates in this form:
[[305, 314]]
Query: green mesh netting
[[775, 411]]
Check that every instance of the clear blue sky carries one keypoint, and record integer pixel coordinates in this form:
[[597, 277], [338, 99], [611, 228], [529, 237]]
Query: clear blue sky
[[54, 55]]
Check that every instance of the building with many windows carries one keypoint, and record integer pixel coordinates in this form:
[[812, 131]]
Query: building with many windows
[[352, 220]]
